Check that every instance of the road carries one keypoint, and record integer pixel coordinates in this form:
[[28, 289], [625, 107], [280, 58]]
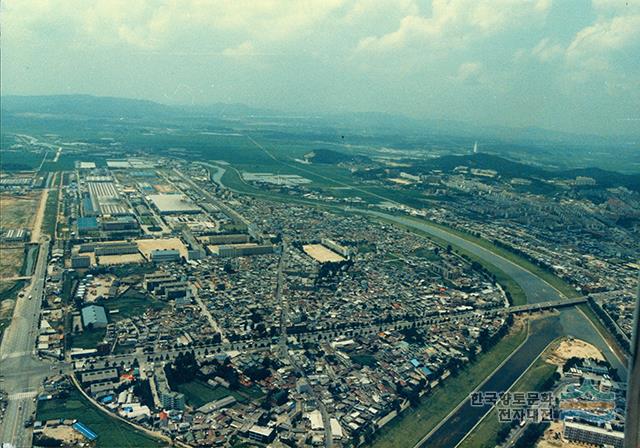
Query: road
[[457, 425], [212, 322], [284, 319], [42, 206], [22, 371], [231, 213], [571, 322], [574, 322]]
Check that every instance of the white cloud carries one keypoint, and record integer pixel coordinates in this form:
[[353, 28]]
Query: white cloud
[[456, 22], [595, 49], [155, 24], [414, 56], [547, 51], [605, 36], [364, 10], [606, 53]]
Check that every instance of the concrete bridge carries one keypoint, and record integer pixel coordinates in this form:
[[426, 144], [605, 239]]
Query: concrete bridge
[[327, 335], [533, 307]]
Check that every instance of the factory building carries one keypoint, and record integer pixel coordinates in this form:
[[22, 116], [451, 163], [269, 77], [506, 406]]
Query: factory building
[[80, 261], [95, 316], [15, 235], [592, 435], [105, 199], [168, 204], [165, 255], [87, 224], [337, 248], [13, 182], [87, 207], [119, 223], [241, 250], [116, 249]]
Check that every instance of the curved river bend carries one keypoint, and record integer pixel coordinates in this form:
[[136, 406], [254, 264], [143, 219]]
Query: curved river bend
[[569, 322]]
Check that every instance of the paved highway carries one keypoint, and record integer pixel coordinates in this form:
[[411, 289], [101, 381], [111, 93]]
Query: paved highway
[[22, 372]]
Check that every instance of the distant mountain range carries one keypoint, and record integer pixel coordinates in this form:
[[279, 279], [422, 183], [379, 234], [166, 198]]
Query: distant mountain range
[[88, 106], [92, 107]]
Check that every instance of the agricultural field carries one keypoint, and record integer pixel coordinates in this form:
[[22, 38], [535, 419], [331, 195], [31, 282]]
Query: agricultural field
[[11, 258], [11, 261], [198, 393], [6, 309], [111, 432], [18, 212], [132, 304], [21, 160]]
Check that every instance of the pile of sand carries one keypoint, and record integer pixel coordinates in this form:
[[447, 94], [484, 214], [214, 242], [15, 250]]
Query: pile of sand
[[570, 348]]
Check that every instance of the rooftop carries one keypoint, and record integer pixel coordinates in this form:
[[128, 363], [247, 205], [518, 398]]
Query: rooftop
[[173, 203], [93, 314]]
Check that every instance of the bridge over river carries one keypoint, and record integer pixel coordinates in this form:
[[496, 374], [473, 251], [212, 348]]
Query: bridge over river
[[570, 322]]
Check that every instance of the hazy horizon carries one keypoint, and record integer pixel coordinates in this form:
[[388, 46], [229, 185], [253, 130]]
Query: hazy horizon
[[570, 66]]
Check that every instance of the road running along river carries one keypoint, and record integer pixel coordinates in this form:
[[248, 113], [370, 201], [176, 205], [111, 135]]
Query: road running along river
[[569, 322]]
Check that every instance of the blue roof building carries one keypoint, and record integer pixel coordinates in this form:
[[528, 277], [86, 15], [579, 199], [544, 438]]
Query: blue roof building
[[94, 315], [85, 431], [87, 207], [87, 224]]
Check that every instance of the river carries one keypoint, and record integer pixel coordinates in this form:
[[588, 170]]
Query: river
[[569, 322]]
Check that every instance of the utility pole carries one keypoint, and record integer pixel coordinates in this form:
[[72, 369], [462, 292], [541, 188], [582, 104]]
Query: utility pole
[[632, 419]]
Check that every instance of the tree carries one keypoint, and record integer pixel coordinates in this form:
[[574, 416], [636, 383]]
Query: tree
[[183, 370]]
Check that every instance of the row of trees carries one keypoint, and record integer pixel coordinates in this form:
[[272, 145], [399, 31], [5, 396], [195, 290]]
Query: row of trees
[[610, 324], [487, 340]]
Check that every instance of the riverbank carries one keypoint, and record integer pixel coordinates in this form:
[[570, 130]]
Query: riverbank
[[409, 427]]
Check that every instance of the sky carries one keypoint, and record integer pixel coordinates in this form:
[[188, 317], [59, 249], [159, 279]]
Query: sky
[[568, 65]]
